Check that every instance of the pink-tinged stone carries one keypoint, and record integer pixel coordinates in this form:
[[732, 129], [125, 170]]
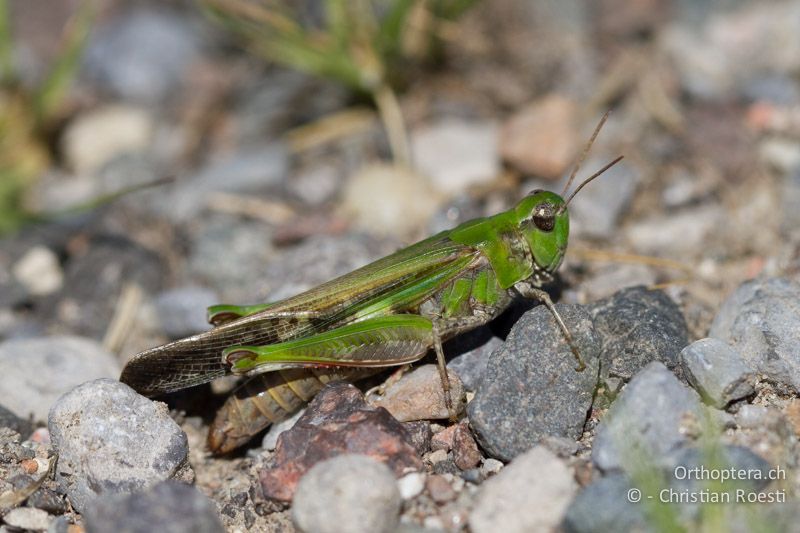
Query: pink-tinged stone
[[337, 421]]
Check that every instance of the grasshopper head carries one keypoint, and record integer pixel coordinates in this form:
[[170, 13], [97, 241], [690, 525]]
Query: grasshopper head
[[544, 222]]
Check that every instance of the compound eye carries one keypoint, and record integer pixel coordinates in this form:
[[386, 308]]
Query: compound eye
[[544, 217]]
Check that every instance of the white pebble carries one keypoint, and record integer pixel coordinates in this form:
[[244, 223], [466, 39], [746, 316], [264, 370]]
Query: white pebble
[[39, 271]]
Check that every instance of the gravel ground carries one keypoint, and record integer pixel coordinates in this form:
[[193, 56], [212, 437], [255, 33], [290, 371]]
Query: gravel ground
[[681, 283]]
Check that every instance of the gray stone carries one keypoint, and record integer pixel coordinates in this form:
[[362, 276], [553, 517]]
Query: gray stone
[[456, 154], [230, 256], [761, 320], [530, 494], [111, 440], [243, 172], [638, 326], [37, 371], [675, 234], [28, 518], [596, 210], [717, 372], [168, 507], [182, 311], [605, 505], [474, 350], [652, 419], [142, 55], [717, 55], [350, 493], [418, 395], [531, 389], [316, 185]]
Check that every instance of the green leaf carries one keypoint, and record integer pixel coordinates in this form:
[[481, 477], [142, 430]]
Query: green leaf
[[51, 94]]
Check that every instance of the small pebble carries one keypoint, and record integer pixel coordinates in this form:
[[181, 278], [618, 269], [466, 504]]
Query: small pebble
[[411, 485], [389, 200], [39, 271], [465, 450], [418, 395], [491, 466], [443, 440], [96, 137], [440, 489], [28, 518], [530, 494], [347, 493], [437, 456], [542, 138]]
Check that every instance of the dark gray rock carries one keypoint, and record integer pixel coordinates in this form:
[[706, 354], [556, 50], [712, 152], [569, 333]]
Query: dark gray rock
[[10, 420], [650, 420], [638, 326], [474, 349], [531, 389], [717, 372], [111, 440], [761, 320], [182, 311], [48, 500], [95, 276], [605, 505], [694, 466], [142, 55], [37, 371], [168, 507], [353, 493]]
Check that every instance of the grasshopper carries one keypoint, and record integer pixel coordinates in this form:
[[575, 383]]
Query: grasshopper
[[388, 313]]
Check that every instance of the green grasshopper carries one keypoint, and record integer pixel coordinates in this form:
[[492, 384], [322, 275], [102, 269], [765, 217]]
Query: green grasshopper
[[388, 313]]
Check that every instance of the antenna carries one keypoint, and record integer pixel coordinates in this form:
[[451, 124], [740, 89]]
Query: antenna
[[586, 182], [585, 152]]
